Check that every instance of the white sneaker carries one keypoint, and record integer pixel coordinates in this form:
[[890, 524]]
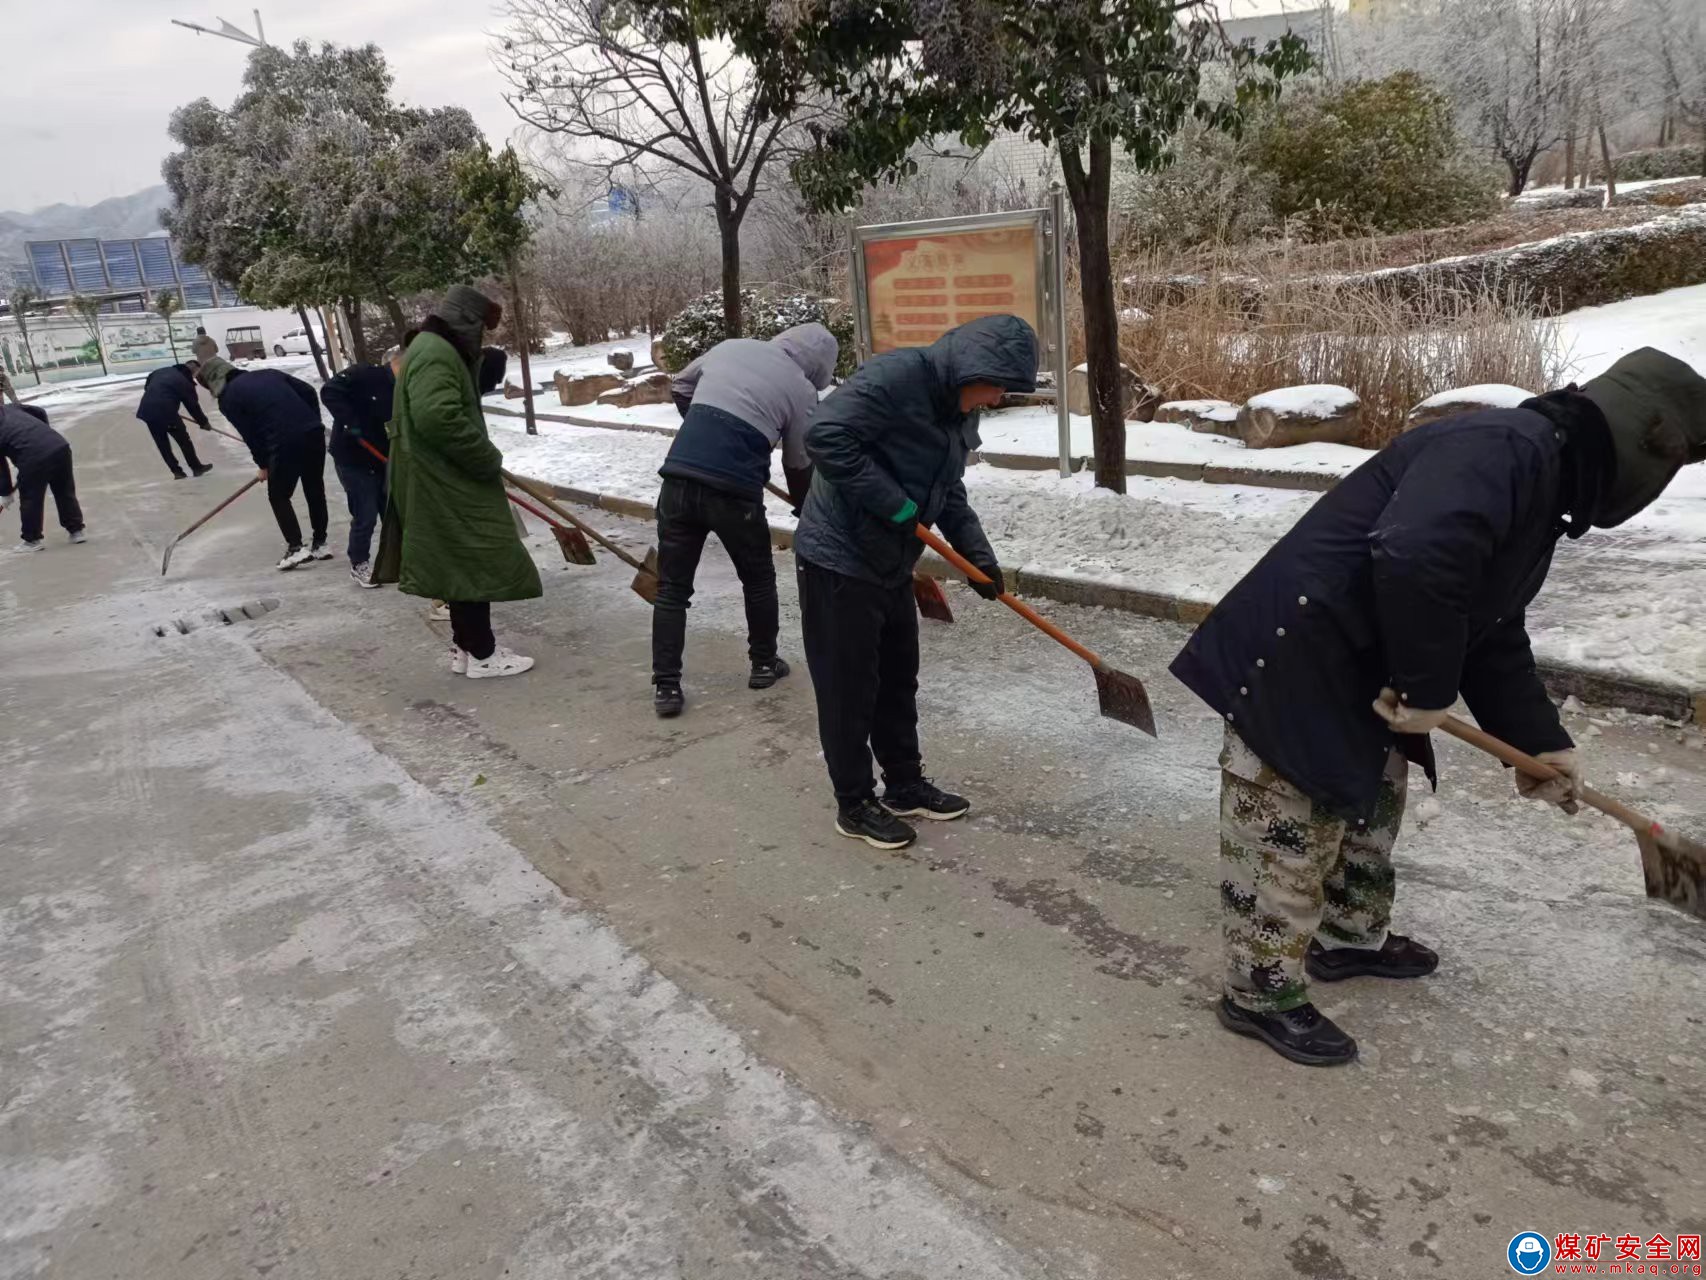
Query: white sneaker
[[440, 612], [501, 663], [318, 552], [459, 661], [295, 556], [80, 536], [363, 575], [38, 545]]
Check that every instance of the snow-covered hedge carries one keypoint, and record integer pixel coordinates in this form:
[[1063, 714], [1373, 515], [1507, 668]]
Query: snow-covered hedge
[[698, 326], [1655, 162]]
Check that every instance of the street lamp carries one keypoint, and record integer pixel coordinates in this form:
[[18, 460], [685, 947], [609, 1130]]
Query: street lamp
[[230, 31]]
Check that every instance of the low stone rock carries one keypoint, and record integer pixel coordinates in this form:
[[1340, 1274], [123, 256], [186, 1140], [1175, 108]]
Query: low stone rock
[[1214, 417], [657, 352], [1476, 399], [648, 388], [1138, 397], [623, 360], [1320, 414], [584, 388]]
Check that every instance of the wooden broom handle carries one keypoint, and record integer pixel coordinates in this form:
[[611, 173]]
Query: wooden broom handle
[[1466, 732], [1018, 606], [532, 491]]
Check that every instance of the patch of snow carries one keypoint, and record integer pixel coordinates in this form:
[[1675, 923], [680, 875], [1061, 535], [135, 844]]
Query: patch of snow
[[1673, 321], [1499, 394], [1541, 193], [1208, 410], [1319, 400]]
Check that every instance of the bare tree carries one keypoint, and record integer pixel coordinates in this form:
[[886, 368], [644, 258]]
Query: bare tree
[[646, 96], [167, 303], [87, 310], [1679, 59], [24, 300]]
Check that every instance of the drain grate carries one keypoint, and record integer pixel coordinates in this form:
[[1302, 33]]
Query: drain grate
[[214, 616]]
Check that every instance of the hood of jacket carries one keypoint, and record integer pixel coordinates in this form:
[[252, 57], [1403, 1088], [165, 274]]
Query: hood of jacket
[[214, 373], [1655, 406], [812, 347], [463, 313], [995, 349]]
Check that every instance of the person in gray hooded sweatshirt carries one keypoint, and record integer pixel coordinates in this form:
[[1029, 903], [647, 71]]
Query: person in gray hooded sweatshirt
[[739, 400]]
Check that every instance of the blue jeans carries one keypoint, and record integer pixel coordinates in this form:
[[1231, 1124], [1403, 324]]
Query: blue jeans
[[365, 489]]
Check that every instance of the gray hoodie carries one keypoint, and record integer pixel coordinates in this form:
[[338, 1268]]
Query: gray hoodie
[[770, 386]]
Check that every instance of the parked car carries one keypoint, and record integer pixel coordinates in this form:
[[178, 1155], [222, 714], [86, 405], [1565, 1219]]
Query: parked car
[[295, 343], [245, 343]]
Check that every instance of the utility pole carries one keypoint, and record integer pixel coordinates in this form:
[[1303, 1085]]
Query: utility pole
[[230, 31]]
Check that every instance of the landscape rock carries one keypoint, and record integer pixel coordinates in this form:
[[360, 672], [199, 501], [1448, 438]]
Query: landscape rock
[[584, 388], [1139, 398], [623, 360], [648, 388], [1448, 404], [657, 352], [1214, 417], [1319, 414]]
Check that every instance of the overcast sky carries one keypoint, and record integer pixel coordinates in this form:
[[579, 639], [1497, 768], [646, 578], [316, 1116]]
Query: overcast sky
[[86, 86]]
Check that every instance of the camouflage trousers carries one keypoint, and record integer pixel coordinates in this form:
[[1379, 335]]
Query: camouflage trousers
[[1291, 869]]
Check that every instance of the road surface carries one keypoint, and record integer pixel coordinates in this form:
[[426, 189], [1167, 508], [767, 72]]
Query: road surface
[[319, 962]]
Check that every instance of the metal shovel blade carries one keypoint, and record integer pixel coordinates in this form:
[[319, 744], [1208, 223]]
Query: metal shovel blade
[[575, 548], [932, 600], [1675, 870], [1124, 698], [645, 582]]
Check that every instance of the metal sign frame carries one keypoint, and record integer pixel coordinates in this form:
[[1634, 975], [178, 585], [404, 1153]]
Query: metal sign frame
[[1049, 225]]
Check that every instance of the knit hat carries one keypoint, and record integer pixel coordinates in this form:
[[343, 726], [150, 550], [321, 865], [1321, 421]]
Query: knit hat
[[1655, 406], [204, 347], [214, 373]]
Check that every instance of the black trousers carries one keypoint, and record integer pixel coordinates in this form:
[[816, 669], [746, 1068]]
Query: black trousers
[[471, 628], [688, 512], [52, 473], [862, 648], [301, 461], [364, 489], [174, 430]]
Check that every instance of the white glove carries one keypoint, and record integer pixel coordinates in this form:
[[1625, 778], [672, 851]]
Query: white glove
[[1404, 718], [1565, 792]]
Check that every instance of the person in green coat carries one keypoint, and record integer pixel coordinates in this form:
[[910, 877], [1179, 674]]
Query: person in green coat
[[448, 533]]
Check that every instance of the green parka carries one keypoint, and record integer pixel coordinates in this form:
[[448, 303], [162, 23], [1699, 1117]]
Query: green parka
[[448, 533]]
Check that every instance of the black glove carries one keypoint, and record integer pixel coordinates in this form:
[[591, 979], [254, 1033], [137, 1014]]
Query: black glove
[[994, 587], [682, 403]]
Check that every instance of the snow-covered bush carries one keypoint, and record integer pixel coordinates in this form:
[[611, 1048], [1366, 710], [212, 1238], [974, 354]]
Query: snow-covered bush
[[698, 326], [1212, 193], [1657, 162]]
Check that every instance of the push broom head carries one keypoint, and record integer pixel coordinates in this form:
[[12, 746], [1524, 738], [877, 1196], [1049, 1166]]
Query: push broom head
[[575, 547], [1124, 698], [1675, 869], [645, 582]]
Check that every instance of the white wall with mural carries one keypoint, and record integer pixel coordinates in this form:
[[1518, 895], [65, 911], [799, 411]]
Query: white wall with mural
[[64, 350]]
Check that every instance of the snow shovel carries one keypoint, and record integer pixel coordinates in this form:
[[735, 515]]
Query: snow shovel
[[570, 540], [645, 582], [1673, 865], [1121, 697], [932, 600], [172, 546]]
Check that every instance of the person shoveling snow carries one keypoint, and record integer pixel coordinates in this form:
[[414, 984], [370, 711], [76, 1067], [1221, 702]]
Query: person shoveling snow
[[1402, 588]]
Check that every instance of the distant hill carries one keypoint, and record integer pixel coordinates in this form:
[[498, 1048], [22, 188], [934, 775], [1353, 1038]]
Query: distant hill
[[117, 219]]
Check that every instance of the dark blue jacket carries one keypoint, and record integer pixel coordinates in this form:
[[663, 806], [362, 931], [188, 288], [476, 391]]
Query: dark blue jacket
[[166, 392], [1414, 574], [359, 399], [889, 449], [270, 409], [26, 442]]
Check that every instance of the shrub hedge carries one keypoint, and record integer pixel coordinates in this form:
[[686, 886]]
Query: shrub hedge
[[698, 326]]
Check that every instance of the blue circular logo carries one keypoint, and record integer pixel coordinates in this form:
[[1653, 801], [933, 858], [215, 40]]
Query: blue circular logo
[[1529, 1253]]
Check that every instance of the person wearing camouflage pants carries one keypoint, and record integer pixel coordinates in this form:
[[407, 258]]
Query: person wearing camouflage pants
[[1291, 869]]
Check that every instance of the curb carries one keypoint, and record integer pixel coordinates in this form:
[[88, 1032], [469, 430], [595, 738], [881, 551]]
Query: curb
[[1643, 697], [1206, 472]]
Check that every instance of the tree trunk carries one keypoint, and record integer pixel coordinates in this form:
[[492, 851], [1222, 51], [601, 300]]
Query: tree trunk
[[1519, 173], [728, 232], [524, 339], [394, 312], [1608, 163], [313, 343], [29, 351], [358, 332], [1089, 192]]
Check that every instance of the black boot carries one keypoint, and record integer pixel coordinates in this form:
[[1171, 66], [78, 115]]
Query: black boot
[[1398, 957], [765, 674], [924, 799], [668, 700], [201, 469], [1303, 1034], [876, 826]]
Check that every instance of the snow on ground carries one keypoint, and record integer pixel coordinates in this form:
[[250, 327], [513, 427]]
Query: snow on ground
[[576, 360], [1540, 193], [1320, 400], [1630, 600], [1673, 321], [1035, 431], [1499, 394]]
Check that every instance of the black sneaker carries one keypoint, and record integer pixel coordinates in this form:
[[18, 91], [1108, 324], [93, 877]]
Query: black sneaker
[[765, 674], [1304, 1034], [1398, 957], [875, 825], [668, 700], [203, 469], [180, 475], [923, 799]]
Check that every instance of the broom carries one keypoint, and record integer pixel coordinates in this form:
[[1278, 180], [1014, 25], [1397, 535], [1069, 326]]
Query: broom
[[645, 583]]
